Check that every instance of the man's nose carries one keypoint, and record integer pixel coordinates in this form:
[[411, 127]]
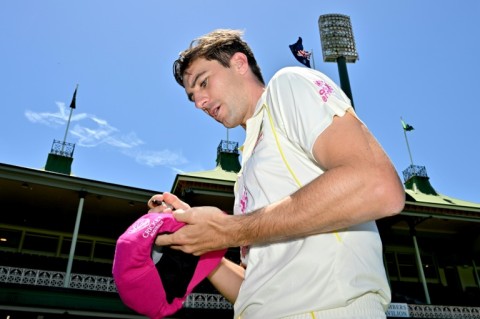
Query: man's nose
[[201, 103]]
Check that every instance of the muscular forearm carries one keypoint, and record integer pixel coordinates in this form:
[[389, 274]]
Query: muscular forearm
[[359, 184], [338, 199]]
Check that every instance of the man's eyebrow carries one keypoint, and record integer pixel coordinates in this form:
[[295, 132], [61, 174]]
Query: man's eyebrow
[[195, 79]]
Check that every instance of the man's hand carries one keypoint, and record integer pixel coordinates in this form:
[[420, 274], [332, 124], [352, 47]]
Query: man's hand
[[205, 230]]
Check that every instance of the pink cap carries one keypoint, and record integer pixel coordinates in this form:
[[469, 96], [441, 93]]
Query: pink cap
[[139, 280]]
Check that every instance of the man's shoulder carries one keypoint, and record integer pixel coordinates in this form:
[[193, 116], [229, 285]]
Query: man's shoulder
[[290, 70], [293, 72]]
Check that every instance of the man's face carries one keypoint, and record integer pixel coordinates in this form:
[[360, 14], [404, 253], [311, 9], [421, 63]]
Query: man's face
[[216, 90]]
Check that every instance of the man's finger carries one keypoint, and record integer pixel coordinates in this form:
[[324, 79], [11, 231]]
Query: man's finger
[[173, 200], [163, 240], [160, 209]]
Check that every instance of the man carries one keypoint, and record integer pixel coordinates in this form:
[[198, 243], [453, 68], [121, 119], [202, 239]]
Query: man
[[313, 180]]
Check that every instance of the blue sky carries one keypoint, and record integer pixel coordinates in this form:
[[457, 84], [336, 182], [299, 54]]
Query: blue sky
[[134, 126]]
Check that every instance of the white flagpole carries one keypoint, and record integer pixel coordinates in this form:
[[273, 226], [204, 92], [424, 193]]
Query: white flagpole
[[313, 60], [68, 123], [406, 140]]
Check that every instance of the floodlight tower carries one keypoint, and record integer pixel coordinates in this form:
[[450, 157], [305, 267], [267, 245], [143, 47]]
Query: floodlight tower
[[338, 45]]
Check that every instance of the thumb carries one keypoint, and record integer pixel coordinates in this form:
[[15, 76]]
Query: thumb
[[174, 201]]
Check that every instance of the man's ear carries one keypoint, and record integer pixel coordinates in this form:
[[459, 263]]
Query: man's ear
[[239, 62]]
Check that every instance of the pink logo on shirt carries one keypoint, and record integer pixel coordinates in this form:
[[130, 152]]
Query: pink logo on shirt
[[243, 202], [325, 89], [243, 208]]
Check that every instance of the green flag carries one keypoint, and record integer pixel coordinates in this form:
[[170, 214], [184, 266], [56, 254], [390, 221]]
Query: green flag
[[407, 127]]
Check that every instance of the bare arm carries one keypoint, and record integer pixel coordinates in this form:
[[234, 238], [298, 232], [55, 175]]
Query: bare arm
[[227, 278], [359, 184]]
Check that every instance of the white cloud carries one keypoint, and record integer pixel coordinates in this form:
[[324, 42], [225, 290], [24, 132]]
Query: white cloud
[[92, 131], [157, 158], [53, 119]]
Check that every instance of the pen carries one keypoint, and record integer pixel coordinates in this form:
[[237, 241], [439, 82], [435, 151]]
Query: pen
[[161, 202]]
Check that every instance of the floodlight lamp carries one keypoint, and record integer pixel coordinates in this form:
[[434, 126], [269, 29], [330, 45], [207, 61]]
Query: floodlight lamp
[[337, 39]]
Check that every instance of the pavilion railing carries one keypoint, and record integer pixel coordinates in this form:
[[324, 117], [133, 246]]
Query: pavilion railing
[[37, 277]]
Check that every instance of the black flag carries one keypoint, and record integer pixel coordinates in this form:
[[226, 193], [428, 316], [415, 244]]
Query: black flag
[[74, 99]]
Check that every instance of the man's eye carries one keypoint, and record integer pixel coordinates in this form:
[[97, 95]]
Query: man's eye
[[204, 83]]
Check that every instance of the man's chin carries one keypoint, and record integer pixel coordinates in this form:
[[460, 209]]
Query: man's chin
[[227, 125]]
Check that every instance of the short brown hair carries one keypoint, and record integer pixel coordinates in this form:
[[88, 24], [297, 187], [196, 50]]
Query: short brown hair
[[219, 45]]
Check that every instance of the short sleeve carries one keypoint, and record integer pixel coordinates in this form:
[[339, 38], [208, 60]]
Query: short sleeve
[[303, 103]]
